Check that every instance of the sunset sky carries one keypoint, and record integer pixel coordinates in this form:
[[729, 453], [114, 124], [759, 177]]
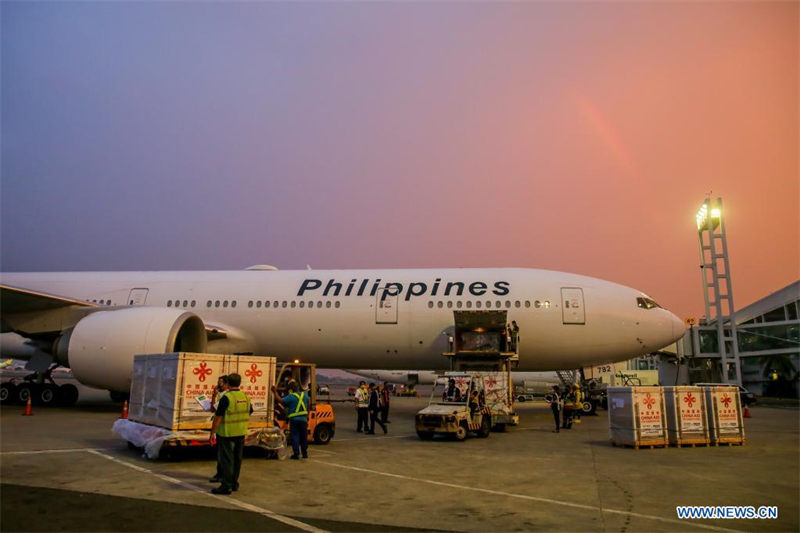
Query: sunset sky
[[569, 136]]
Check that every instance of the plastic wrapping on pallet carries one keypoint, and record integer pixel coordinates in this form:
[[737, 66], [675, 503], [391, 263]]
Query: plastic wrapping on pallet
[[152, 438]]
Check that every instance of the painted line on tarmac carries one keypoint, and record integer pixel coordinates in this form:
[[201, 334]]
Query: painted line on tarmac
[[57, 450], [530, 498], [368, 438], [229, 500]]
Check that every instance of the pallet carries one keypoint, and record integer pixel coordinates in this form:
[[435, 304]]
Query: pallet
[[729, 442], [640, 444], [686, 443]]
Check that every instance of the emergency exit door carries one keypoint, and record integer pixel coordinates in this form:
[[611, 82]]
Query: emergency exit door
[[572, 305], [386, 307], [137, 296]]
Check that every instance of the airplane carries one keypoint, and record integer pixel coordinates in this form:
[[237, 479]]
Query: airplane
[[94, 322]]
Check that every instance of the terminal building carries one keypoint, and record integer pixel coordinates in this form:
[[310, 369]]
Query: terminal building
[[767, 345]]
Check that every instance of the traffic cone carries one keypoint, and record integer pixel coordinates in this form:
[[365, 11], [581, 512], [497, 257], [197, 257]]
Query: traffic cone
[[28, 411], [125, 410], [746, 412]]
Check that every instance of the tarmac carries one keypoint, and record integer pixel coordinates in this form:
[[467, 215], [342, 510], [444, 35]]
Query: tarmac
[[63, 470]]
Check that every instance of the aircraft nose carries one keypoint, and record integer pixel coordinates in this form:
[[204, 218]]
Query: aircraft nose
[[678, 327]]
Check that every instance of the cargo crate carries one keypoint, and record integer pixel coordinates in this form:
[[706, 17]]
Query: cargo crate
[[724, 414], [165, 388], [686, 416], [636, 416]]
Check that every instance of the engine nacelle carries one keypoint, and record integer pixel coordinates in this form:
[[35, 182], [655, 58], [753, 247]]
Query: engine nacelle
[[101, 346]]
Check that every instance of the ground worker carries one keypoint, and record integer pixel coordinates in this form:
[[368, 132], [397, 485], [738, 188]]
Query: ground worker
[[385, 399], [228, 431], [296, 405], [362, 407], [374, 410], [555, 406], [219, 392]]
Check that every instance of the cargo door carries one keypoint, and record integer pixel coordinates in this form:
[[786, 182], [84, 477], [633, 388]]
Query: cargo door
[[386, 307], [137, 296], [572, 305]]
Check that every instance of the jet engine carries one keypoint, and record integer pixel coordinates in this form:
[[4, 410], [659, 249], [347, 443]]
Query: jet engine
[[101, 346]]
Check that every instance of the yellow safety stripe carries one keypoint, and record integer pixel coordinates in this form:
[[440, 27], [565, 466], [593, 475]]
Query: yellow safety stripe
[[300, 409]]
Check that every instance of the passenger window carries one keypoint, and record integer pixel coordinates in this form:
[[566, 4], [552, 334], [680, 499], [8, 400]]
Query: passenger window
[[193, 302], [449, 305], [430, 305], [477, 304], [527, 303], [508, 304], [184, 303], [208, 303], [517, 304], [293, 304], [233, 303], [250, 303], [469, 304], [275, 304], [337, 304], [302, 304], [328, 304], [225, 303], [284, 304], [440, 304], [547, 304], [537, 304], [319, 304], [258, 304], [216, 303], [169, 303], [459, 304]]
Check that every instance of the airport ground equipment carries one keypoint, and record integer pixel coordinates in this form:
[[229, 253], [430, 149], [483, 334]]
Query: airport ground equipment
[[170, 400], [687, 424], [481, 360], [321, 418], [637, 416], [451, 415], [724, 414]]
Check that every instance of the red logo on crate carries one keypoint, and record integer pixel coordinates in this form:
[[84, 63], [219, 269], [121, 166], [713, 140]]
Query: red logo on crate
[[253, 373], [726, 400], [202, 371], [461, 382], [689, 399], [491, 382], [649, 401]]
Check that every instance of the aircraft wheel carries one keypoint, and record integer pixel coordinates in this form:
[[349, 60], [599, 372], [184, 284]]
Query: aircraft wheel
[[588, 407], [425, 435], [7, 392], [47, 395], [486, 427], [68, 394], [322, 434], [118, 396], [461, 432], [24, 391]]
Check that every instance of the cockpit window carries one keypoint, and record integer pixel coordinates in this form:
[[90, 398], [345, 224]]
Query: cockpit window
[[646, 303]]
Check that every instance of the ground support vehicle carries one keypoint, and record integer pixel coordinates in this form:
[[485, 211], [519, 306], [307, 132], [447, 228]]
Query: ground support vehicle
[[481, 360], [321, 418]]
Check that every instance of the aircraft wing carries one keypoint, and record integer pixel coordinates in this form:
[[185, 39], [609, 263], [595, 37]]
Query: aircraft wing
[[16, 300]]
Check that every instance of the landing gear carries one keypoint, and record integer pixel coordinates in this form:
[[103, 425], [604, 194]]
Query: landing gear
[[7, 392], [68, 395], [24, 392], [45, 394], [118, 396]]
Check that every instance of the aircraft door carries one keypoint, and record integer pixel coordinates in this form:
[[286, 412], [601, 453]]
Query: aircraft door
[[572, 305], [137, 296], [386, 307]]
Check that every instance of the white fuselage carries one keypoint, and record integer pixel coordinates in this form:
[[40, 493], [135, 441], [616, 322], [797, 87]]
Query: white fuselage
[[337, 318]]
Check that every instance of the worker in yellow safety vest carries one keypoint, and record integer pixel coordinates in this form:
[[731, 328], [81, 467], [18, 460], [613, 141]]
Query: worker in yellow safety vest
[[296, 405], [228, 431]]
